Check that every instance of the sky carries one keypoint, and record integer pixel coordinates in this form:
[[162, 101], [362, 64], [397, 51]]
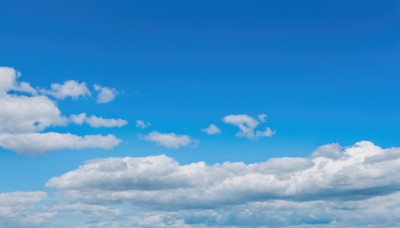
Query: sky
[[199, 113]]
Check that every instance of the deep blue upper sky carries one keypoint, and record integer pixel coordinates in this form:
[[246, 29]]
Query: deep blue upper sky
[[324, 71]]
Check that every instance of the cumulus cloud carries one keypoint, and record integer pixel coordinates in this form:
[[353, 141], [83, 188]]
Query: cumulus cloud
[[212, 129], [142, 124], [95, 121], [23, 114], [22, 118], [18, 208], [169, 140], [7, 79], [37, 143], [105, 94], [70, 88], [8, 82], [247, 125], [361, 171]]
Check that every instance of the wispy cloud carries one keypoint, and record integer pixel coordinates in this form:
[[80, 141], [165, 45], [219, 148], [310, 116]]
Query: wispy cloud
[[169, 140]]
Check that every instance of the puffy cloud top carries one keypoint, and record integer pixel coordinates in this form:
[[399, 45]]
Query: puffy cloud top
[[362, 170], [70, 88]]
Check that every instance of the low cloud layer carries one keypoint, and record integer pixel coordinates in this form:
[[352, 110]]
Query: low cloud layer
[[336, 186], [360, 171]]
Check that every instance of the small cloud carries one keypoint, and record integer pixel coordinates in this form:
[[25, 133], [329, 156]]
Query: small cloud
[[267, 133], [70, 88], [247, 125], [169, 140], [95, 121], [262, 117], [142, 124], [212, 129], [105, 94]]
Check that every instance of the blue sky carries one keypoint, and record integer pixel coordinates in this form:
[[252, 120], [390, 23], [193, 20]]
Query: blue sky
[[322, 71]]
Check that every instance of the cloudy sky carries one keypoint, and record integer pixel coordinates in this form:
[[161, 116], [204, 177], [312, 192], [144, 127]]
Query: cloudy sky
[[199, 113]]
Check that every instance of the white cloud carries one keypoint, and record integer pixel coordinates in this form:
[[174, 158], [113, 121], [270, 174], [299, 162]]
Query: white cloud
[[8, 82], [355, 186], [247, 125], [142, 124], [267, 133], [70, 88], [362, 171], [18, 208], [212, 129], [22, 114], [37, 143], [95, 121], [23, 117], [8, 77], [105, 94], [262, 117], [169, 140]]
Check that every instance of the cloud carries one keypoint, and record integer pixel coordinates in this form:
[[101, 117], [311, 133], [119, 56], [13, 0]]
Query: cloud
[[70, 88], [247, 125], [96, 122], [23, 114], [262, 117], [267, 133], [142, 124], [362, 171], [37, 143], [8, 82], [169, 140], [355, 186], [212, 129], [105, 94], [18, 208], [24, 118], [8, 77]]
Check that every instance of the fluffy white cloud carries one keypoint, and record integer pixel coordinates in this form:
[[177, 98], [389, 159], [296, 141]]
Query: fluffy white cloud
[[142, 124], [8, 76], [8, 82], [105, 94], [23, 114], [37, 143], [247, 125], [23, 117], [18, 208], [169, 140], [212, 129], [70, 88], [362, 171], [95, 121]]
